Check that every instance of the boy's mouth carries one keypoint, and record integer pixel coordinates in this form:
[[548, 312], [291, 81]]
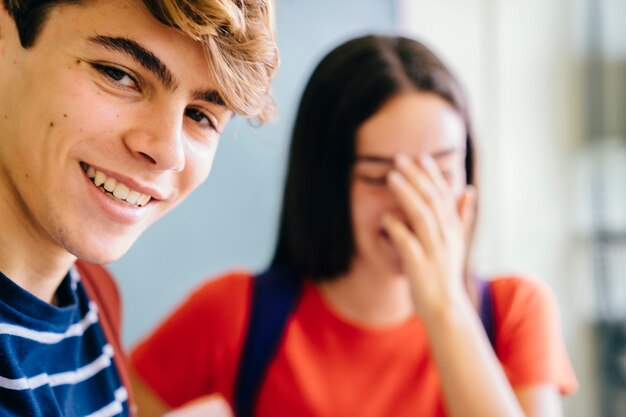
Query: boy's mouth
[[116, 189]]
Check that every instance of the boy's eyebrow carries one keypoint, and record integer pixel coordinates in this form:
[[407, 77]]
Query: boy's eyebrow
[[211, 96], [140, 54], [153, 64]]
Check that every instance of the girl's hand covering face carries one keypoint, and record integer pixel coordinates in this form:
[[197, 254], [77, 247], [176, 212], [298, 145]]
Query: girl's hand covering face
[[432, 237]]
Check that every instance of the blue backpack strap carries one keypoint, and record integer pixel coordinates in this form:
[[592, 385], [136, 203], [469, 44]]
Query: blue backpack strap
[[487, 316], [275, 294]]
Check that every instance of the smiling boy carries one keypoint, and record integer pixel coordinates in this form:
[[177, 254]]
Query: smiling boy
[[110, 114]]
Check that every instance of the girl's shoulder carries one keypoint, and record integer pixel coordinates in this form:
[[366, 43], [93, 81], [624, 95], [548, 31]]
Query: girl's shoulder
[[524, 305], [522, 292]]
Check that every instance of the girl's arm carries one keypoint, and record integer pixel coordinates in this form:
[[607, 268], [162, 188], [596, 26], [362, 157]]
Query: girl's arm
[[150, 405], [432, 241]]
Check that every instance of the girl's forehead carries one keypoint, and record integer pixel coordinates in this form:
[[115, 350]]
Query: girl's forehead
[[414, 123]]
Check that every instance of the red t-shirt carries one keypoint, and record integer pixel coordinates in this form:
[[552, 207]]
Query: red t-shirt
[[328, 367]]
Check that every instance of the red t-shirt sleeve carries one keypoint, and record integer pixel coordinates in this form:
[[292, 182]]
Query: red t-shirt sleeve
[[184, 356], [528, 340]]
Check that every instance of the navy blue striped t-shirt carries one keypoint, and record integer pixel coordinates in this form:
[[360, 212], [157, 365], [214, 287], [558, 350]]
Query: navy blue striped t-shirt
[[55, 360]]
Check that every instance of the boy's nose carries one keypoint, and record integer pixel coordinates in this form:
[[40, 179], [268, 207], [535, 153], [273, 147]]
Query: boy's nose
[[159, 141]]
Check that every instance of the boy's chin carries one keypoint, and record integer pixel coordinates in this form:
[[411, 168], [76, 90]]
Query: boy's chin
[[102, 253]]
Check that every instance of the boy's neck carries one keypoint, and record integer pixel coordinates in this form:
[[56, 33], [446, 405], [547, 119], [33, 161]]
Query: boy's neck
[[36, 264]]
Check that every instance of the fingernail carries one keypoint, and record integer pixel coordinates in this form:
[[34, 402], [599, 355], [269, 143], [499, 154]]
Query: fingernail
[[403, 161], [395, 178], [427, 161]]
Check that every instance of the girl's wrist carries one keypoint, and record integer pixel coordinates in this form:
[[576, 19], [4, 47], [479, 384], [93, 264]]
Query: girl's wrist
[[456, 310]]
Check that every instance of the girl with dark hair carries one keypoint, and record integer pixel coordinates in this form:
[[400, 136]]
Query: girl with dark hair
[[370, 306]]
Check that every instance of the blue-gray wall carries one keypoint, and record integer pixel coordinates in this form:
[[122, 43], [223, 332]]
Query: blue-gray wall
[[231, 220]]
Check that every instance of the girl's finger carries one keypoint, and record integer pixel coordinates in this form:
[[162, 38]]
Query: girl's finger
[[467, 210], [410, 250], [418, 177], [427, 163], [419, 215]]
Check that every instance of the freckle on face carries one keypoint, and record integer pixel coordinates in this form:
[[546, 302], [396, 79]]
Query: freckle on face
[[51, 124]]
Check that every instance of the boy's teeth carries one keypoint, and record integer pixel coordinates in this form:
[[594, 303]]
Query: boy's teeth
[[118, 190], [99, 178], [133, 197], [143, 199], [121, 191], [110, 184]]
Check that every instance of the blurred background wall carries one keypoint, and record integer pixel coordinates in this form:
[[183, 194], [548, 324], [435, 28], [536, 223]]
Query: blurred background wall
[[546, 80], [231, 220]]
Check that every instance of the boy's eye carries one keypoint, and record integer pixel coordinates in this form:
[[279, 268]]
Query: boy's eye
[[201, 118], [117, 75]]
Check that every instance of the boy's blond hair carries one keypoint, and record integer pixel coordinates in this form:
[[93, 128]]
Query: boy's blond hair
[[237, 35]]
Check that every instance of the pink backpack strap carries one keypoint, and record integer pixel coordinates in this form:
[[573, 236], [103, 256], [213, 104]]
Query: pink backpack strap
[[102, 289]]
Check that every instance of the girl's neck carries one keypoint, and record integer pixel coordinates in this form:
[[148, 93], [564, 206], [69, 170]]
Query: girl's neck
[[369, 297]]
